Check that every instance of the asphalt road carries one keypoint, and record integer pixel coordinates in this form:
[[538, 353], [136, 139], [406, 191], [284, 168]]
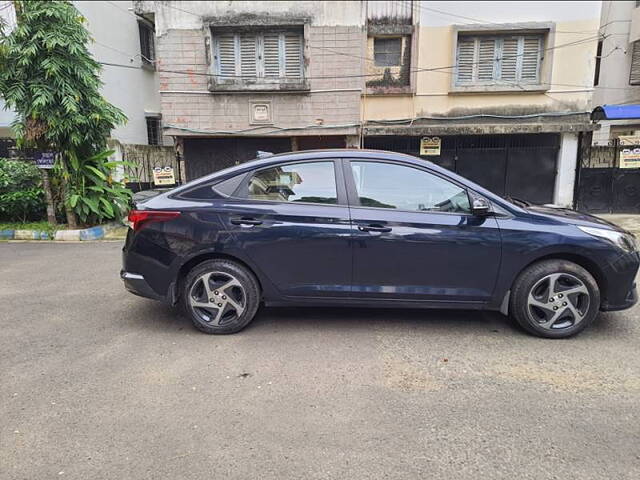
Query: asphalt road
[[96, 383]]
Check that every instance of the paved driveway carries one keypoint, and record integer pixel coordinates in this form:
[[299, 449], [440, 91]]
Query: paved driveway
[[96, 383]]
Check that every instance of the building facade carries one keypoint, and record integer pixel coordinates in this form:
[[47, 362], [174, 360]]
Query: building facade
[[505, 87], [618, 74], [506, 99], [241, 77]]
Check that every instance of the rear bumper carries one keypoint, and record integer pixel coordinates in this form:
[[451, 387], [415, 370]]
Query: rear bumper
[[136, 284]]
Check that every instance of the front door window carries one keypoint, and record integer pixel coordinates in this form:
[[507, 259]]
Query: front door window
[[387, 185]]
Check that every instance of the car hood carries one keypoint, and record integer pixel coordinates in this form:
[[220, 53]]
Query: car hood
[[566, 215]]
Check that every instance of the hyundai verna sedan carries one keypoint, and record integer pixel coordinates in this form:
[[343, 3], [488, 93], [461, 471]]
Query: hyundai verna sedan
[[375, 229]]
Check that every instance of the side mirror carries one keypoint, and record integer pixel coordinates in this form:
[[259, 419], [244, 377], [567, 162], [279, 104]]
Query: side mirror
[[480, 207]]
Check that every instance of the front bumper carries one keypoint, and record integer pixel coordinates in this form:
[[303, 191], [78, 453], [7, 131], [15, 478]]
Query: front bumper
[[629, 301]]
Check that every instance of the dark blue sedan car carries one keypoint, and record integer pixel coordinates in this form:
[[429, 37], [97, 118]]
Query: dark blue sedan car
[[376, 229]]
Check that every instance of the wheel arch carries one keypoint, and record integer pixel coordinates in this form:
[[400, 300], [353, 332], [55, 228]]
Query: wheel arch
[[585, 262], [196, 260]]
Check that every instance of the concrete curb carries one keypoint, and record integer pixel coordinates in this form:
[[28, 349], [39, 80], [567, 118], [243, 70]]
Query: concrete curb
[[86, 234]]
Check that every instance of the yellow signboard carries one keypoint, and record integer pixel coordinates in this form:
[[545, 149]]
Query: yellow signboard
[[629, 151], [164, 176], [430, 146]]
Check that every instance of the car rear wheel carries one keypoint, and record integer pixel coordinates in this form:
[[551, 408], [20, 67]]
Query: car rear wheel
[[555, 299], [220, 296]]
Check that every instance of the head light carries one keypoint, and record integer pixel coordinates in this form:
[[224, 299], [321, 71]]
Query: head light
[[625, 241]]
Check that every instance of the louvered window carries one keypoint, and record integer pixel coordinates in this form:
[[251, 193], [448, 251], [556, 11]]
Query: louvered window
[[502, 59], [258, 57], [634, 76]]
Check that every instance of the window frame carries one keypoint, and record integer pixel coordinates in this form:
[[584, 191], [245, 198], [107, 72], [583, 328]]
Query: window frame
[[149, 31], [545, 29], [217, 82], [399, 38], [635, 52], [354, 199], [496, 65], [241, 193], [158, 119]]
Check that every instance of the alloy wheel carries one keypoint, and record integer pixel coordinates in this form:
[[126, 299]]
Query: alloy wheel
[[557, 301], [217, 298]]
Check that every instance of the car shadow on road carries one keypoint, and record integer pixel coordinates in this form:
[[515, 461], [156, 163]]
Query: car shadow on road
[[312, 319], [161, 317], [158, 316]]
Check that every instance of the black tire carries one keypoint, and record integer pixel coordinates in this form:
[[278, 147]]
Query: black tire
[[528, 315], [221, 268]]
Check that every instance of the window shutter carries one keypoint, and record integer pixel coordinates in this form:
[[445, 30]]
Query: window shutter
[[509, 59], [248, 55], [634, 77], [226, 55], [464, 62], [531, 58], [271, 55], [293, 55], [486, 58]]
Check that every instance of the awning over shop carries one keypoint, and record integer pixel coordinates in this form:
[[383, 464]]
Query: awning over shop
[[616, 112]]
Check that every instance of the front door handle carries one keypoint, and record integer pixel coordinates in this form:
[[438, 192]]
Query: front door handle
[[246, 221], [374, 227]]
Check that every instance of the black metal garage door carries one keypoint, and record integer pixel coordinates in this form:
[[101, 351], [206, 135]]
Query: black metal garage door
[[522, 166], [206, 155]]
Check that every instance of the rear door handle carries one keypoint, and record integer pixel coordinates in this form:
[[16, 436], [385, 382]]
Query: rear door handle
[[374, 228], [246, 221]]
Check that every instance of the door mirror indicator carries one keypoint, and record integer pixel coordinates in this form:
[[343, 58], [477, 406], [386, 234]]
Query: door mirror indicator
[[480, 207]]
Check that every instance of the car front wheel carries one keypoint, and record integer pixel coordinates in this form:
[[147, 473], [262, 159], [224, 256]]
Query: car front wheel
[[220, 296], [555, 299]]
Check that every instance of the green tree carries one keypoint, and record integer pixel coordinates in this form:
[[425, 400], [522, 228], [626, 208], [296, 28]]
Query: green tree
[[49, 78]]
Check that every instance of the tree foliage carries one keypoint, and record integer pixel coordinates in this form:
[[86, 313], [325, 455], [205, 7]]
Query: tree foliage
[[21, 195], [49, 78]]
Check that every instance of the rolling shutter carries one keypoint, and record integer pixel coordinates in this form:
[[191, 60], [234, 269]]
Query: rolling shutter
[[531, 54], [226, 55], [293, 55], [634, 76], [464, 62]]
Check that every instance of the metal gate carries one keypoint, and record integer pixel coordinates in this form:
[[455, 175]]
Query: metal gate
[[144, 158], [206, 155], [603, 187], [522, 166]]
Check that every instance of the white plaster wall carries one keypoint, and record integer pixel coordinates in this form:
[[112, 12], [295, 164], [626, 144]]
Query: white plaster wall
[[566, 170], [615, 65], [6, 116], [505, 12], [189, 15], [135, 91]]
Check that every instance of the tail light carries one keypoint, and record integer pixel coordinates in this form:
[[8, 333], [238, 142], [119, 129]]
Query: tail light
[[137, 218]]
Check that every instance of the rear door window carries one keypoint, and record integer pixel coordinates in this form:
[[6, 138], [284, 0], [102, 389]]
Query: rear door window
[[308, 182]]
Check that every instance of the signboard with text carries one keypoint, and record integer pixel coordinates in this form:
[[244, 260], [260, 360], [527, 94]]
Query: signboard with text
[[430, 146], [45, 159], [164, 176], [629, 151]]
